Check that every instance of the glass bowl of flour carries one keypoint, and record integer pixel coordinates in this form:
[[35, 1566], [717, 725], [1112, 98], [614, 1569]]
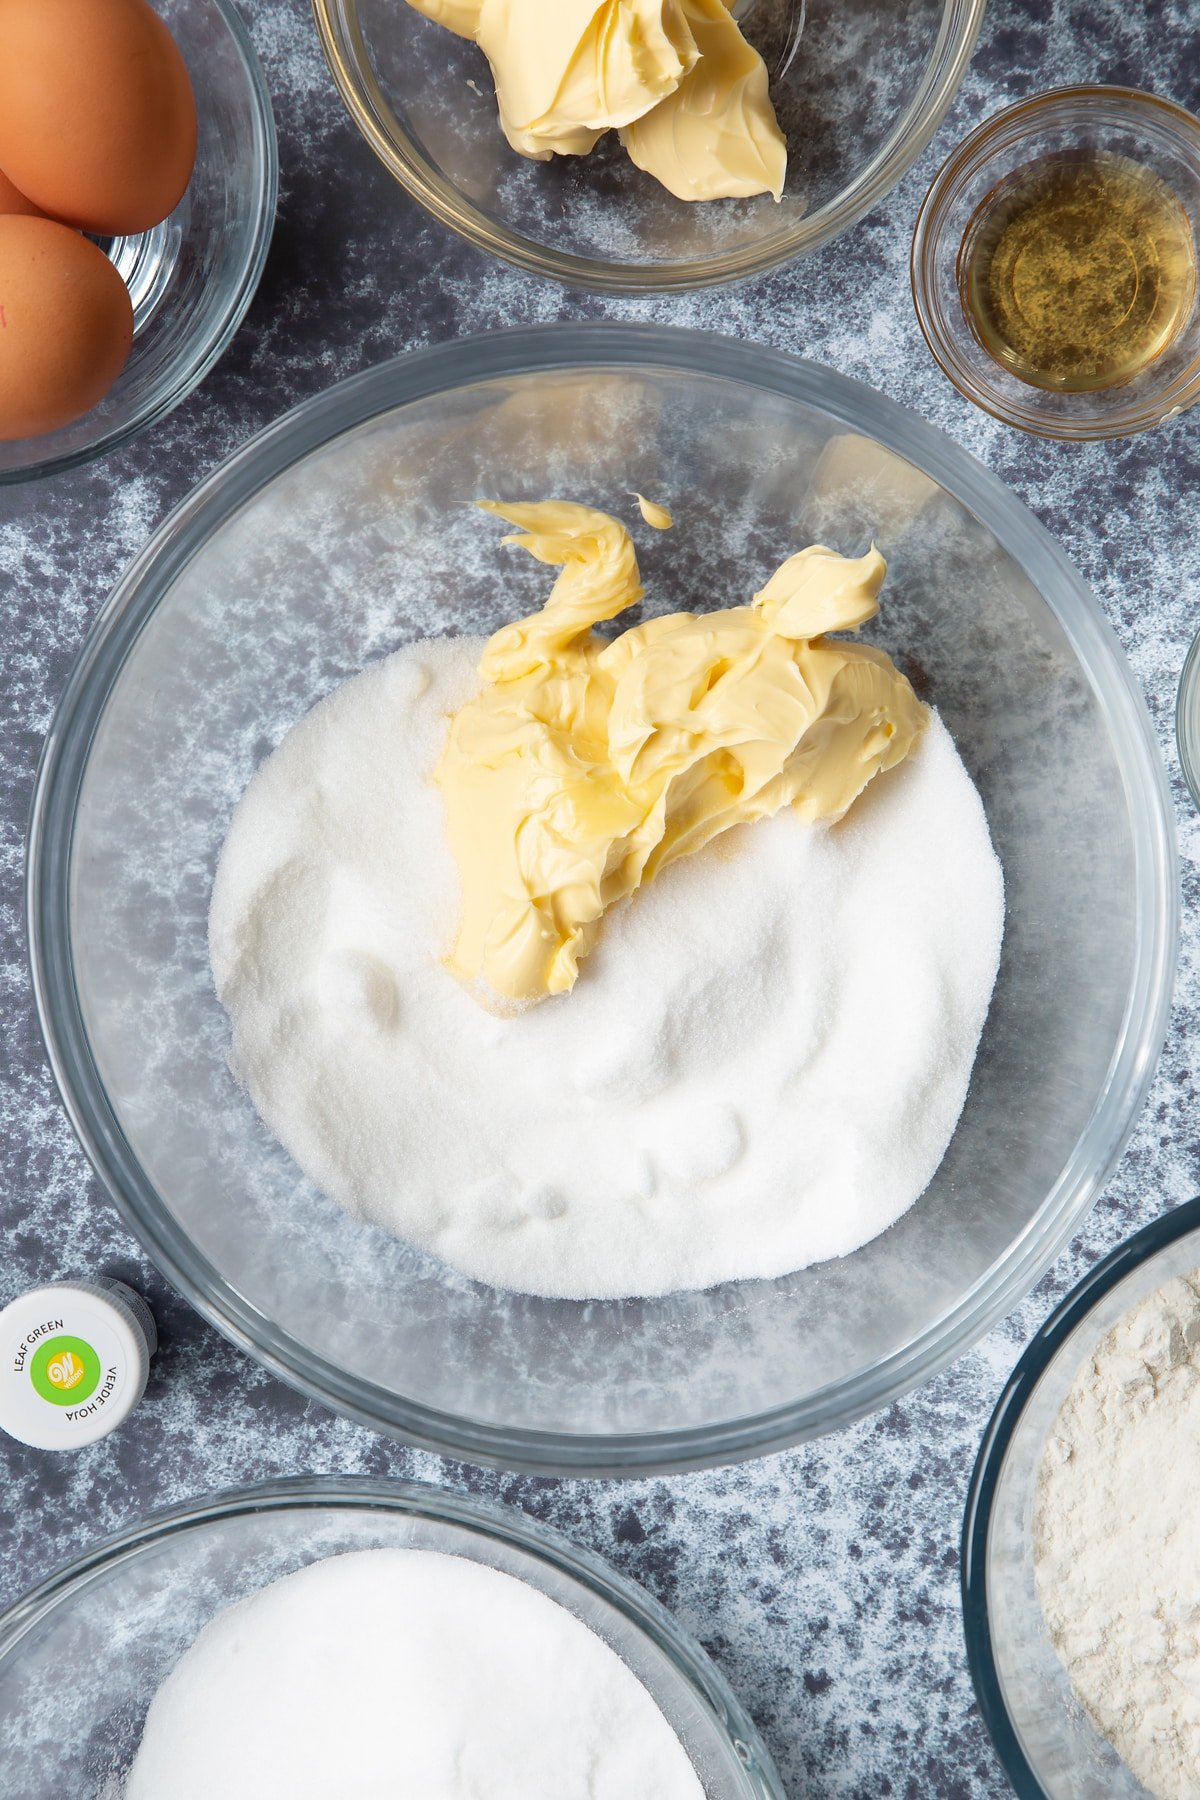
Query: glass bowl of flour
[[1079, 1563], [500, 1614], [347, 532]]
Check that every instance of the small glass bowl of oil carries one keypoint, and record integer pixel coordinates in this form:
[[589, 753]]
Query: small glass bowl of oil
[[1055, 263]]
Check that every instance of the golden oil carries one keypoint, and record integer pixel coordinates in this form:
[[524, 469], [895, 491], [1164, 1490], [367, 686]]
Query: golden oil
[[1078, 270]]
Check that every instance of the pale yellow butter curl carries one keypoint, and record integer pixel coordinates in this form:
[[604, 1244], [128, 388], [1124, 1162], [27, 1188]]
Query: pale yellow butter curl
[[655, 515], [716, 137], [584, 765], [675, 77], [565, 73]]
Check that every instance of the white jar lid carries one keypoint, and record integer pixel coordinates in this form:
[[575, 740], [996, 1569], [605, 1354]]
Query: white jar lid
[[74, 1357]]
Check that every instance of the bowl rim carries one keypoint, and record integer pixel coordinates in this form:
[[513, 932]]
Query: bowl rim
[[342, 42], [1187, 725], [203, 356], [1034, 111], [508, 1525], [1084, 1297], [603, 346]]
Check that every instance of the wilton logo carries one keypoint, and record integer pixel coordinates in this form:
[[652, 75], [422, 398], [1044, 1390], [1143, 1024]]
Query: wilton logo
[[65, 1370]]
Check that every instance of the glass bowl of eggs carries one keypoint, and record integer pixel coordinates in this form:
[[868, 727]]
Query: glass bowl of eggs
[[124, 284], [813, 112]]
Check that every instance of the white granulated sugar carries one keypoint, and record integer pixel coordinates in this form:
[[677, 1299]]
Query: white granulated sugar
[[1116, 1545], [761, 1064], [389, 1672]]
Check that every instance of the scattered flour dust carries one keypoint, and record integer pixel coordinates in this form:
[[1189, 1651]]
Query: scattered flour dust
[[761, 1064], [389, 1672], [1116, 1544]]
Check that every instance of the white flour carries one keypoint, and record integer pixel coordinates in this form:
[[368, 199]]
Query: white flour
[[761, 1065], [393, 1672], [1116, 1539]]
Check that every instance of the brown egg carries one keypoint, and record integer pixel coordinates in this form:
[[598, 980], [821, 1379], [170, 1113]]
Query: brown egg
[[97, 116], [66, 325], [12, 200]]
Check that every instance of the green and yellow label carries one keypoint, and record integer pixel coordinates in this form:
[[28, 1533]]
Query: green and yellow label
[[65, 1371]]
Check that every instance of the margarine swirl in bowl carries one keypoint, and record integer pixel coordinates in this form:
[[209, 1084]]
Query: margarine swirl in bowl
[[675, 77], [585, 765], [766, 1052]]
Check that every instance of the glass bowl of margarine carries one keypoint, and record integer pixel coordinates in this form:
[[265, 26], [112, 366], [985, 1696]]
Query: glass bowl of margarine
[[858, 92], [83, 1655], [1054, 263], [1045, 1735], [347, 530]]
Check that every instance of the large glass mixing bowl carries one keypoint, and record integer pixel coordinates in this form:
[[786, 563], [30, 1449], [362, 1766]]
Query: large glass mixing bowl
[[859, 89], [82, 1656], [346, 530]]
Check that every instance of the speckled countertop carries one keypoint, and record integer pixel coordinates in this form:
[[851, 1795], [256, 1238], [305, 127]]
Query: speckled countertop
[[824, 1581]]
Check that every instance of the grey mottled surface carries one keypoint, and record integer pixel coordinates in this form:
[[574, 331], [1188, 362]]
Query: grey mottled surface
[[824, 1581]]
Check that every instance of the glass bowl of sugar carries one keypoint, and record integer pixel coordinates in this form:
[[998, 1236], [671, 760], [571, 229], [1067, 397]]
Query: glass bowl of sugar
[[348, 531], [1080, 1630], [83, 1655]]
